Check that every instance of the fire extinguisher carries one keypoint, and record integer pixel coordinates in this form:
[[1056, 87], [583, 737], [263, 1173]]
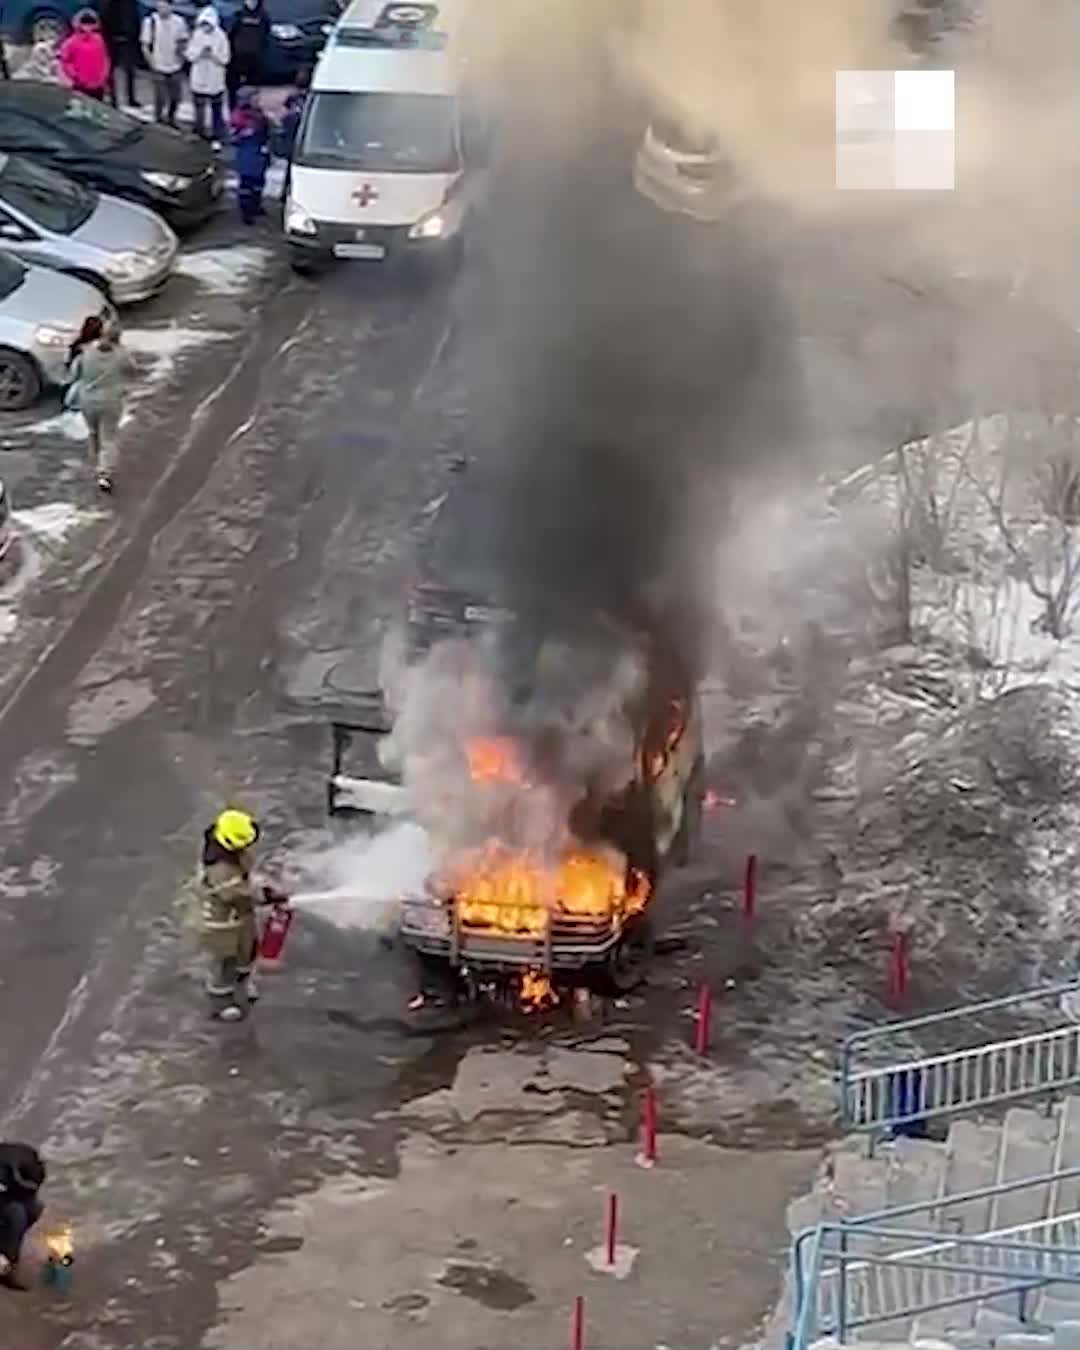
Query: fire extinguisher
[[276, 929]]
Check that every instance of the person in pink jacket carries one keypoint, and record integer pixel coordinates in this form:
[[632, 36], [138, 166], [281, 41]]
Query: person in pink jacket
[[84, 57]]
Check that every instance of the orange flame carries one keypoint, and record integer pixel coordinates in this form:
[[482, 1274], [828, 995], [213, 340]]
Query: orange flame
[[60, 1246], [517, 894], [537, 993], [494, 760]]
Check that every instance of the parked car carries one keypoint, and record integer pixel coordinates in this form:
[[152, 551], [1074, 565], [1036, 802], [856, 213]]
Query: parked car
[[298, 30], [683, 170], [41, 313], [27, 21], [172, 172], [49, 219]]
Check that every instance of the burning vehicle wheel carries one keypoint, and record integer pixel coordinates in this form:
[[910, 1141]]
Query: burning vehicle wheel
[[630, 961]]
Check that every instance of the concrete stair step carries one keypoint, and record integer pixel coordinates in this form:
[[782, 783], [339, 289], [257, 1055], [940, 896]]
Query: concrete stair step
[[1067, 1335], [1067, 1199], [1025, 1341], [972, 1150], [995, 1324], [915, 1176], [1029, 1150], [1060, 1303], [859, 1184]]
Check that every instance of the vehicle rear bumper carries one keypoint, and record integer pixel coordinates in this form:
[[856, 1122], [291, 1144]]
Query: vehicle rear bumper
[[491, 952]]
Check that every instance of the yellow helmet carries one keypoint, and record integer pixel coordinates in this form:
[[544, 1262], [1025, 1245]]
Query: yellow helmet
[[235, 830]]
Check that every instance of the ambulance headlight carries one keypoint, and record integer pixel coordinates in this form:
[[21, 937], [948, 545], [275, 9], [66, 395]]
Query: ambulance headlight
[[297, 220], [432, 226]]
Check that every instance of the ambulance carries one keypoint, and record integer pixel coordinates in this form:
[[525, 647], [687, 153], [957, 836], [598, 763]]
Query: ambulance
[[379, 167]]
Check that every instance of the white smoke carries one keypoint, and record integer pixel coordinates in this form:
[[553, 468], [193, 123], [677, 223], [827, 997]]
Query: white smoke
[[360, 882], [558, 723]]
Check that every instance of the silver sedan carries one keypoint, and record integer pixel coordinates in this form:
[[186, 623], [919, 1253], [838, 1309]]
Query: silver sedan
[[41, 314], [48, 219]]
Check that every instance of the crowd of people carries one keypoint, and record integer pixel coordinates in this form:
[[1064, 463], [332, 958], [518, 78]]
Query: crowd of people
[[101, 55]]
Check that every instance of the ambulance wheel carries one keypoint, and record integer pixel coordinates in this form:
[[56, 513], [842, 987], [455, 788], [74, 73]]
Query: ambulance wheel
[[629, 963]]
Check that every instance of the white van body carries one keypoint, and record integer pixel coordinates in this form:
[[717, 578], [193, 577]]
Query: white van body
[[379, 166]]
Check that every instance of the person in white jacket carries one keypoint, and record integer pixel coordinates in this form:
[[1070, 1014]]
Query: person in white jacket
[[208, 54], [164, 38]]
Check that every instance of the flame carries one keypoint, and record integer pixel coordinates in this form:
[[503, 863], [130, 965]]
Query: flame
[[517, 894], [60, 1247], [494, 760], [713, 800], [537, 993], [678, 716]]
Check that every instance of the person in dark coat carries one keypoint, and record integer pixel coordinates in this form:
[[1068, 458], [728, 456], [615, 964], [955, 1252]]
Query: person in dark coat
[[291, 114], [120, 25], [22, 1174], [249, 37], [251, 152]]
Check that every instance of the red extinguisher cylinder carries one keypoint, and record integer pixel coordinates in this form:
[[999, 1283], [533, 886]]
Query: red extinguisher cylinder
[[275, 933]]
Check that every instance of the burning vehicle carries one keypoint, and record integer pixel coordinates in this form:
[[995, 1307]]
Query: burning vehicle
[[555, 801]]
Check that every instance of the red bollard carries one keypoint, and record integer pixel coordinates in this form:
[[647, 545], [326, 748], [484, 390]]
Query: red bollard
[[611, 1234], [703, 1019], [577, 1324], [749, 896], [899, 969], [647, 1156]]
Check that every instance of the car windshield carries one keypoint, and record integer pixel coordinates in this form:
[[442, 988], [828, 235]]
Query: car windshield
[[12, 273], [96, 125], [388, 133], [47, 198]]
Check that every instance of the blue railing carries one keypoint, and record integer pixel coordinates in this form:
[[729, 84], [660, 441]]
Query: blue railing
[[842, 1283], [894, 1074]]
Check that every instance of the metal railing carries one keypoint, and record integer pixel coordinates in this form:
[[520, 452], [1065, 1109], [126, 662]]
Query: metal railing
[[887, 1078], [852, 1275]]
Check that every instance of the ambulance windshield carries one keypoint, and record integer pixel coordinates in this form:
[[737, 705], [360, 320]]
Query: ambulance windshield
[[379, 133]]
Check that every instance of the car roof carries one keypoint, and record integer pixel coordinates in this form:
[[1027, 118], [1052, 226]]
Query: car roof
[[354, 70], [439, 15], [367, 54]]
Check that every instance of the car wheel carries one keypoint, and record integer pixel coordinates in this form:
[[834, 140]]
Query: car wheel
[[46, 25], [20, 380], [305, 269]]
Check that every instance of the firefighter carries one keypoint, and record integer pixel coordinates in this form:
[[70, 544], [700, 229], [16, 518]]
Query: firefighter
[[228, 901], [22, 1174]]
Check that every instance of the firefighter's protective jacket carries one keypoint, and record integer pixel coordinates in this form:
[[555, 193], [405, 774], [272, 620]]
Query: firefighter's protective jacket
[[227, 904]]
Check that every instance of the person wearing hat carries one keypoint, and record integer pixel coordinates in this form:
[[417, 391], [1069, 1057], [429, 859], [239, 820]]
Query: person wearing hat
[[227, 920], [84, 56]]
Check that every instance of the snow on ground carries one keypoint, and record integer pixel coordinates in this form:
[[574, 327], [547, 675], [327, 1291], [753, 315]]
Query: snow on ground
[[158, 350], [226, 271], [41, 531], [52, 522], [943, 787], [70, 425]]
